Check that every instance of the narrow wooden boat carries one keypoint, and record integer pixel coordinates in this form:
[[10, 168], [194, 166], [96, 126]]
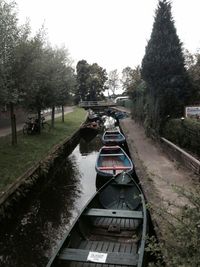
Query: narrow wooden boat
[[110, 231], [109, 122], [92, 116], [111, 137], [89, 129], [112, 160], [91, 125]]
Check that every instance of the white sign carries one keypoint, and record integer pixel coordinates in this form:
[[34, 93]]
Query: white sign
[[97, 257], [192, 112]]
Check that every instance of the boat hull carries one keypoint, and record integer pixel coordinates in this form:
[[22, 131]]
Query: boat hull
[[113, 138], [110, 230], [112, 160]]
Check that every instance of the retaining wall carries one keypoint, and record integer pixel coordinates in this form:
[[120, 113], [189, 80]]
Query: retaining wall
[[17, 191], [175, 152]]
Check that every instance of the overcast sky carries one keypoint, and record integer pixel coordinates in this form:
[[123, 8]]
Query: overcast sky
[[112, 33]]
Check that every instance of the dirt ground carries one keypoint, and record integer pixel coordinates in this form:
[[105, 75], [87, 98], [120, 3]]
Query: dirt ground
[[156, 172]]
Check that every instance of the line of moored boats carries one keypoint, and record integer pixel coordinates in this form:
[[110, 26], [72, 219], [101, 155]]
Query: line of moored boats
[[111, 229]]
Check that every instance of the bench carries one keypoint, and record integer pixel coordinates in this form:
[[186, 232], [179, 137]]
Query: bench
[[126, 214], [115, 258]]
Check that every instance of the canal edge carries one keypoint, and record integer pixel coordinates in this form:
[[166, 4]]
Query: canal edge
[[20, 188]]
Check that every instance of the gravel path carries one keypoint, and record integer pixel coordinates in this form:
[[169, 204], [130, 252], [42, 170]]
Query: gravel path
[[156, 172]]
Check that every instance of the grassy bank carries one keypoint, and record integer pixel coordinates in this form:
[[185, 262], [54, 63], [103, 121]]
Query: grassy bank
[[14, 161]]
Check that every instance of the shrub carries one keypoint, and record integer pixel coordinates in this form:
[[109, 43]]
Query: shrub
[[181, 231], [185, 134]]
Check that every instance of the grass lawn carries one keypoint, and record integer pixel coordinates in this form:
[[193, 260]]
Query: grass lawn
[[15, 160]]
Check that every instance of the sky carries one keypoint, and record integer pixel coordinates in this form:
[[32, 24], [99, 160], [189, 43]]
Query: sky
[[111, 33]]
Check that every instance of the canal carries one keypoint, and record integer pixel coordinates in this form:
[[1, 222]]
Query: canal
[[31, 236]]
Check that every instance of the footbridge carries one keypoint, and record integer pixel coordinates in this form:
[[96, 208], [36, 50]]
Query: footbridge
[[97, 105]]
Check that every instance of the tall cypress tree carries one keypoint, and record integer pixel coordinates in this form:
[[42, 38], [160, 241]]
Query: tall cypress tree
[[163, 68]]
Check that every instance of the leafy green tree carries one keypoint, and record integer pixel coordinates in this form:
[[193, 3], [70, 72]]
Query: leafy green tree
[[38, 85], [96, 82], [9, 40], [67, 88], [90, 81], [190, 59], [65, 79], [83, 74], [163, 69], [126, 78], [193, 69], [113, 81], [131, 79]]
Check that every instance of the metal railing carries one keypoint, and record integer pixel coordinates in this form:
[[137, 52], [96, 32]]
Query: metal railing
[[96, 103]]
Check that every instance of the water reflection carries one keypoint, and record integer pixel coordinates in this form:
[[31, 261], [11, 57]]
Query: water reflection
[[93, 145], [30, 239]]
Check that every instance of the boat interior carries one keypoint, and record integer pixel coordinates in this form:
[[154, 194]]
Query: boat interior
[[113, 161], [109, 231]]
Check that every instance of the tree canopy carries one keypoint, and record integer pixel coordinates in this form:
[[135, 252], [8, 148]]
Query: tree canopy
[[113, 81], [163, 68], [90, 81], [33, 74]]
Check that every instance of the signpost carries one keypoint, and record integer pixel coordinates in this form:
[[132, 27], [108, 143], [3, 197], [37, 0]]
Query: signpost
[[192, 112]]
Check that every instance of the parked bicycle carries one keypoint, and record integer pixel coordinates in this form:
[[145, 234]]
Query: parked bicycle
[[31, 126]]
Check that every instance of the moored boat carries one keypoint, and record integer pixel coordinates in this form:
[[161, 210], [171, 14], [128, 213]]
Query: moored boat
[[110, 231], [92, 116], [111, 137], [112, 160], [109, 122], [89, 128], [91, 125]]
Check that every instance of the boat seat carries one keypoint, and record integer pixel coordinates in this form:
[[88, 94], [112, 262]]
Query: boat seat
[[110, 155], [127, 214], [110, 168], [81, 255], [108, 135]]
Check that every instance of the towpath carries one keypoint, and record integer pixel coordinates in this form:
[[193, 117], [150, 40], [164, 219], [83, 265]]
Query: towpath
[[7, 130], [156, 172]]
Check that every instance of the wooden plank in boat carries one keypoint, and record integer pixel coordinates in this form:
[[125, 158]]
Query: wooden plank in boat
[[108, 168], [114, 213], [81, 255], [110, 155]]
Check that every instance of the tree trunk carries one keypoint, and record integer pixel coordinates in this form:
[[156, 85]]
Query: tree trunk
[[52, 117], [63, 114], [13, 124], [39, 121]]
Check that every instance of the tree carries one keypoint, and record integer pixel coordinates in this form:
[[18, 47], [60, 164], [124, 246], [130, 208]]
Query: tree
[[193, 69], [9, 39], [163, 69], [83, 73], [131, 79], [90, 81], [126, 78], [113, 81], [96, 82], [57, 76], [39, 89]]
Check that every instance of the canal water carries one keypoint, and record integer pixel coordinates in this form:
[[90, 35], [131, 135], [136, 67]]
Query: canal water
[[30, 238]]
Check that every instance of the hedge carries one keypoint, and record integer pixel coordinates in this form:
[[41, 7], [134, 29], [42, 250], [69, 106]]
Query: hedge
[[184, 133]]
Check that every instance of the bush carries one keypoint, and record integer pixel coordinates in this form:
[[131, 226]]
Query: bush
[[184, 133], [139, 102], [181, 231]]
